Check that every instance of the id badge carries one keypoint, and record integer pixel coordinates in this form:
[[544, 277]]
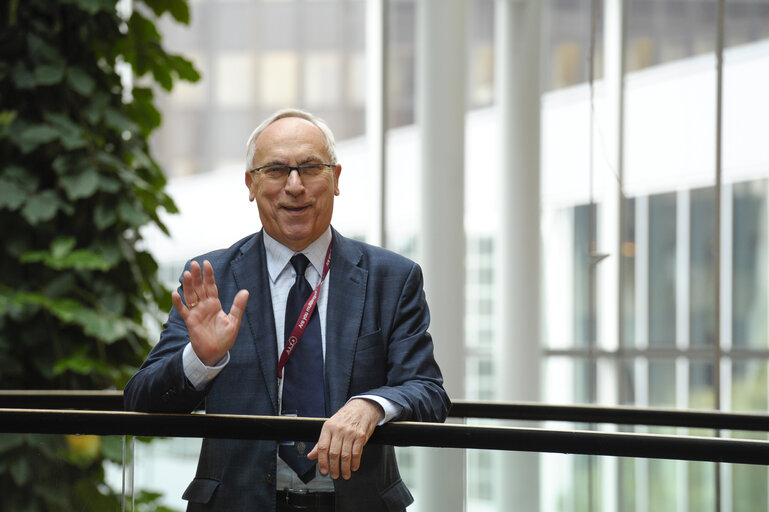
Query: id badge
[[288, 414]]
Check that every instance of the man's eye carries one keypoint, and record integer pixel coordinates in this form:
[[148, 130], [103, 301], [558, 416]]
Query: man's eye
[[276, 171], [312, 169]]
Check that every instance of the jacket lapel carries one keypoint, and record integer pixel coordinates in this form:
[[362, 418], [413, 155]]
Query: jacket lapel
[[344, 313], [250, 272]]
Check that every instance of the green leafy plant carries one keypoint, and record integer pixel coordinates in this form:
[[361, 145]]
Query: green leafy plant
[[77, 182]]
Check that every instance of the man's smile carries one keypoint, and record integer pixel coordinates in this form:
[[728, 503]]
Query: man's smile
[[296, 209]]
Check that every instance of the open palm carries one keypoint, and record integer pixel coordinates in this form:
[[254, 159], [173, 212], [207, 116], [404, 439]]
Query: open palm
[[212, 331]]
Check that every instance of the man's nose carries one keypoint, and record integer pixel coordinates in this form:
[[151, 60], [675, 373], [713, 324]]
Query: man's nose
[[294, 182]]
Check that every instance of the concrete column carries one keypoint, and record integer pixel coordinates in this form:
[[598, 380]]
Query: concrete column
[[608, 179], [440, 113], [517, 68], [376, 116]]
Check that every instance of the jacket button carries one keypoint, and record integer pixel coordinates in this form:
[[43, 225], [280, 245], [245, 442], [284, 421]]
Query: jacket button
[[268, 477]]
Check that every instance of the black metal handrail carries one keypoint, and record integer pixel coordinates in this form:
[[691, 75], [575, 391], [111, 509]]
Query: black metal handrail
[[398, 434], [102, 400], [716, 420]]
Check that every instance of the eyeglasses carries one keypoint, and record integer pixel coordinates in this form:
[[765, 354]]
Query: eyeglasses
[[280, 172]]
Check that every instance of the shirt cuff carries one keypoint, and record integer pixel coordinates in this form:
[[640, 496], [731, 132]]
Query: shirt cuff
[[198, 373], [390, 408]]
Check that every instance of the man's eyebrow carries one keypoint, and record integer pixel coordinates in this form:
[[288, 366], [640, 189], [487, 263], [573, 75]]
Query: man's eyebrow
[[308, 159]]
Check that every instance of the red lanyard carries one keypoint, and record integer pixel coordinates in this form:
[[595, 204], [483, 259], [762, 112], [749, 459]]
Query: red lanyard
[[304, 317]]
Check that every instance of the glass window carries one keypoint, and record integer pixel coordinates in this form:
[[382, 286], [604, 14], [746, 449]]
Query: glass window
[[323, 84], [702, 268], [662, 270], [750, 257], [749, 394], [568, 27], [356, 79], [627, 269], [278, 74], [234, 77], [701, 385], [662, 383], [583, 308]]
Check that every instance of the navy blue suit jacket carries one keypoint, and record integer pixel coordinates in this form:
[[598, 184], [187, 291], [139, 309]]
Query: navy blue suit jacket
[[376, 343]]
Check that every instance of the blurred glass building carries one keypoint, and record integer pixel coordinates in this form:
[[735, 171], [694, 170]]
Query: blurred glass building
[[653, 186]]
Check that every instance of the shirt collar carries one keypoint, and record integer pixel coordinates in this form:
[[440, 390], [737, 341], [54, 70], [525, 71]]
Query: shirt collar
[[279, 256]]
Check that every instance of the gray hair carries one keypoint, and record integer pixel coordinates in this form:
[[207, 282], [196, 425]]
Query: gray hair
[[291, 112]]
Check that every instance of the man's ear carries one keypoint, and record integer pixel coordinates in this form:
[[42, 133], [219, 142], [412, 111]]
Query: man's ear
[[249, 178], [337, 172]]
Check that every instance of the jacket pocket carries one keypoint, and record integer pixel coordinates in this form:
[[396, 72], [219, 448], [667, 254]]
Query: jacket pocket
[[201, 490], [369, 366]]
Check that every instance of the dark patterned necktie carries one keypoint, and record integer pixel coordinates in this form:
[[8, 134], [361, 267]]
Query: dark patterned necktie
[[303, 389]]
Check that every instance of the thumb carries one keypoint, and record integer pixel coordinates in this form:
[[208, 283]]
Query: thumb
[[239, 305]]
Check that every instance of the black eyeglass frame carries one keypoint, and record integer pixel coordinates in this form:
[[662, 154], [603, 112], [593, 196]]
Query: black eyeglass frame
[[297, 168]]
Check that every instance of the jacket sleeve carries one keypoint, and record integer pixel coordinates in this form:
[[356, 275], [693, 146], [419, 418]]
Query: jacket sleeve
[[413, 378], [160, 384]]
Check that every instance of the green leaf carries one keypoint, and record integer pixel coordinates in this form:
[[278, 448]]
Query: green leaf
[[7, 117], [107, 328], [180, 11], [80, 81], [61, 256], [8, 441], [15, 186], [22, 76], [184, 68], [69, 131], [62, 246], [104, 216], [12, 195], [42, 50], [132, 214], [41, 207], [84, 259], [35, 135], [112, 448], [80, 185], [82, 364], [145, 114], [118, 121], [21, 471], [94, 6], [67, 162], [94, 111], [48, 74]]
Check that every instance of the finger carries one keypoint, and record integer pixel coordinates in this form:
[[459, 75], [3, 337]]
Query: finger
[[320, 451], [197, 280], [345, 459], [334, 453], [176, 299], [238, 307], [188, 288], [209, 283], [357, 453]]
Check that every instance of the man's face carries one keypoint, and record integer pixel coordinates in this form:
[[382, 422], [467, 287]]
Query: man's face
[[297, 210]]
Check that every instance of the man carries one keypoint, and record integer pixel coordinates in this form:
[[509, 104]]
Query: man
[[361, 334]]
